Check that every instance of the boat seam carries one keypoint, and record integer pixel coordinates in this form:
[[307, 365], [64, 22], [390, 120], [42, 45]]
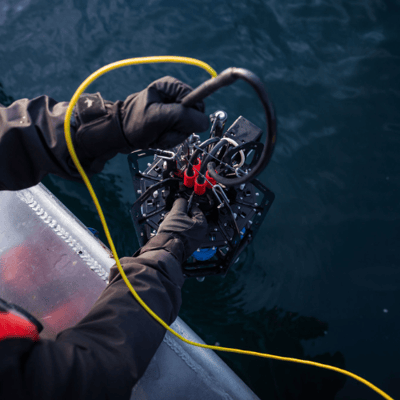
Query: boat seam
[[195, 367], [27, 197]]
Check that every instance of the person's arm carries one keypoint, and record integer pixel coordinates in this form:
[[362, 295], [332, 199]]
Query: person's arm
[[104, 355], [32, 142]]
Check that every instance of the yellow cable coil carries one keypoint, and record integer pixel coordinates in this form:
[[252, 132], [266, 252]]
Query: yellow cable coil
[[67, 128]]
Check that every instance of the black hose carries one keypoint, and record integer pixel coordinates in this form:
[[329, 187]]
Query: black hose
[[212, 155], [196, 153], [226, 78]]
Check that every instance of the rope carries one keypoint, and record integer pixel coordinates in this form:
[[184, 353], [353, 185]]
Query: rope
[[68, 138]]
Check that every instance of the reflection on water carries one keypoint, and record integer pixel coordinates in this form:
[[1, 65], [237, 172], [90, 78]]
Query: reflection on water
[[287, 332]]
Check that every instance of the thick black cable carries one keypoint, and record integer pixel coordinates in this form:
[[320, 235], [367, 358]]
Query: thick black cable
[[226, 78], [196, 153]]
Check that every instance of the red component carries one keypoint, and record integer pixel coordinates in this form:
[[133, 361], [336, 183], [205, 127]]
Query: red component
[[210, 181], [178, 172], [200, 188], [188, 181], [16, 326]]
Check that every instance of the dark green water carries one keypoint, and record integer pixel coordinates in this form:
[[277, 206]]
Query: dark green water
[[321, 281]]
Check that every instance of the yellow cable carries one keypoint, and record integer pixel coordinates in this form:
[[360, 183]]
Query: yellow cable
[[67, 128]]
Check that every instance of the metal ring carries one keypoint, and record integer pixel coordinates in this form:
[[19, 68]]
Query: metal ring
[[242, 156]]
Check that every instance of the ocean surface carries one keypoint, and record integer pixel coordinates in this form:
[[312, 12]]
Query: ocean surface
[[321, 281]]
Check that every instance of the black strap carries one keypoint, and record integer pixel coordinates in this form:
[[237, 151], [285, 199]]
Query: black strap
[[90, 107]]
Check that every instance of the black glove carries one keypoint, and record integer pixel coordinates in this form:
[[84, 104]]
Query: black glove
[[178, 233], [152, 118]]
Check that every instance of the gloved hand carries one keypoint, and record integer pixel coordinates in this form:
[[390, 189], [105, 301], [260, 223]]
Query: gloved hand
[[178, 233], [191, 230], [152, 118]]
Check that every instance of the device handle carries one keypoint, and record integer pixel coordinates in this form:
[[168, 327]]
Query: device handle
[[225, 78]]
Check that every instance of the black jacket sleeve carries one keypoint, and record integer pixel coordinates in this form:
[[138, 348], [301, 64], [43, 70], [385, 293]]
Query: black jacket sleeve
[[108, 351], [104, 355], [32, 142]]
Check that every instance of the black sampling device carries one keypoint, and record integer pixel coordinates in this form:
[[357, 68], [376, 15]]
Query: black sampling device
[[218, 174]]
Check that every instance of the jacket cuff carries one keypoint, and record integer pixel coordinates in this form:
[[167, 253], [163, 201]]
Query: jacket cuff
[[99, 133], [165, 241]]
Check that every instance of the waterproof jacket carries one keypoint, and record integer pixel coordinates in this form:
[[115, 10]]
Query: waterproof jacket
[[105, 354]]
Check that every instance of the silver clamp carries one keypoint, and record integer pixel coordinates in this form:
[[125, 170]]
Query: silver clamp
[[170, 154]]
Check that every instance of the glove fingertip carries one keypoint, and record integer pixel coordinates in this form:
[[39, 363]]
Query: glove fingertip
[[171, 89], [181, 205]]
